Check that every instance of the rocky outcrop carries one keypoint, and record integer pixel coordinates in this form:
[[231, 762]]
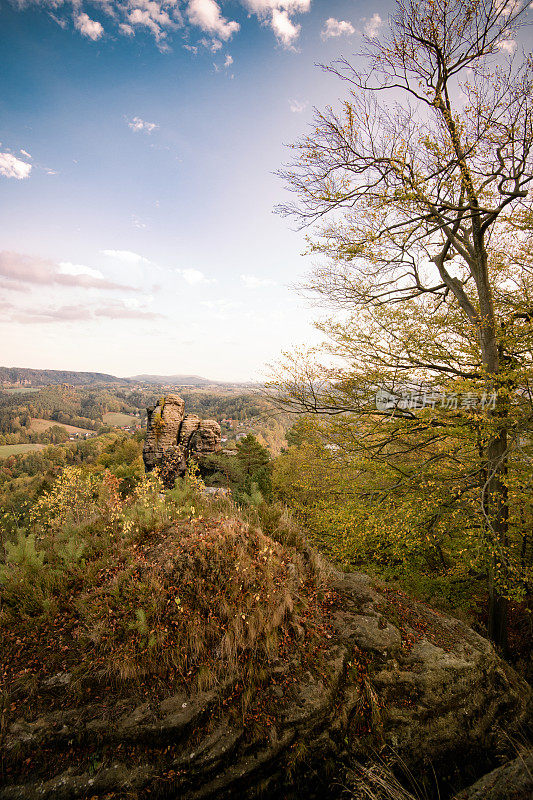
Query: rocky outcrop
[[206, 438], [512, 781], [172, 437], [390, 676], [190, 424]]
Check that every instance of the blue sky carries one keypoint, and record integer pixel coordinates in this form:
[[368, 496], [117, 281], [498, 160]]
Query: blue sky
[[138, 142]]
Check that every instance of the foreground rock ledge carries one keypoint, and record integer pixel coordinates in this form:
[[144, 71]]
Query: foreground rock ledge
[[512, 781], [397, 677]]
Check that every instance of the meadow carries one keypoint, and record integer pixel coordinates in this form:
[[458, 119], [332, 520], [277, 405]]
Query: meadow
[[7, 450]]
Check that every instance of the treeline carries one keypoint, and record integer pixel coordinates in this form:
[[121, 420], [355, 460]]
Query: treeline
[[82, 408], [25, 476], [43, 377]]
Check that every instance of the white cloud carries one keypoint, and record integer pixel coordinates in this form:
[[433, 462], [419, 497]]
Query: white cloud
[[122, 311], [222, 306], [297, 106], [157, 16], [67, 268], [278, 15], [88, 27], [253, 282], [284, 29], [228, 62], [206, 15], [161, 17], [292, 6], [13, 167], [138, 124], [507, 7], [137, 222], [138, 303], [28, 269], [61, 22], [193, 276], [125, 256], [507, 46], [211, 44], [373, 25], [337, 27], [24, 153]]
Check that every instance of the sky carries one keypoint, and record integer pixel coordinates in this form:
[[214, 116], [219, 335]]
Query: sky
[[139, 141]]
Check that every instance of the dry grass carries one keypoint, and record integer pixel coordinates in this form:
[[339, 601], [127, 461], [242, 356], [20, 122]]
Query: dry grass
[[202, 600], [378, 781], [158, 588], [40, 425]]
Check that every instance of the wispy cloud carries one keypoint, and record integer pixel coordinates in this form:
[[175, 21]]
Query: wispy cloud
[[125, 256], [13, 167], [278, 14], [372, 26], [157, 16], [337, 27], [297, 106], [68, 268], [194, 277], [121, 310], [253, 282], [221, 304], [507, 45], [137, 124], [117, 311], [137, 222], [27, 269], [30, 316]]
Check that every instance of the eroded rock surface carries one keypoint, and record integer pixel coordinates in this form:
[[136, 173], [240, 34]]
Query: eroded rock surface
[[172, 437], [512, 781], [392, 676]]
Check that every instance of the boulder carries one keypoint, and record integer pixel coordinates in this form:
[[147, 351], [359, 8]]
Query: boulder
[[389, 676], [512, 781]]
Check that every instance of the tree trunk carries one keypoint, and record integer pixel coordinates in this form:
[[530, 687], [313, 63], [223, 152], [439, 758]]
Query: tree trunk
[[497, 507], [496, 495]]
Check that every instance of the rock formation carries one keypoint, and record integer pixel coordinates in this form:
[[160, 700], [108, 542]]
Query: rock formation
[[172, 437], [394, 678], [512, 781]]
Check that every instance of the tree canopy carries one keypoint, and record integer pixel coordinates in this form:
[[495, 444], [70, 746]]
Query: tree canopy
[[418, 193]]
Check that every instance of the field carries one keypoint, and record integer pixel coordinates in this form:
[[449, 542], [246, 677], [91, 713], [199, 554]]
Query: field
[[119, 420], [15, 449], [40, 425], [19, 390]]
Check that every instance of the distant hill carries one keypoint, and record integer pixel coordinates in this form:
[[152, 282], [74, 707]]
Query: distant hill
[[50, 377], [47, 377], [176, 380]]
